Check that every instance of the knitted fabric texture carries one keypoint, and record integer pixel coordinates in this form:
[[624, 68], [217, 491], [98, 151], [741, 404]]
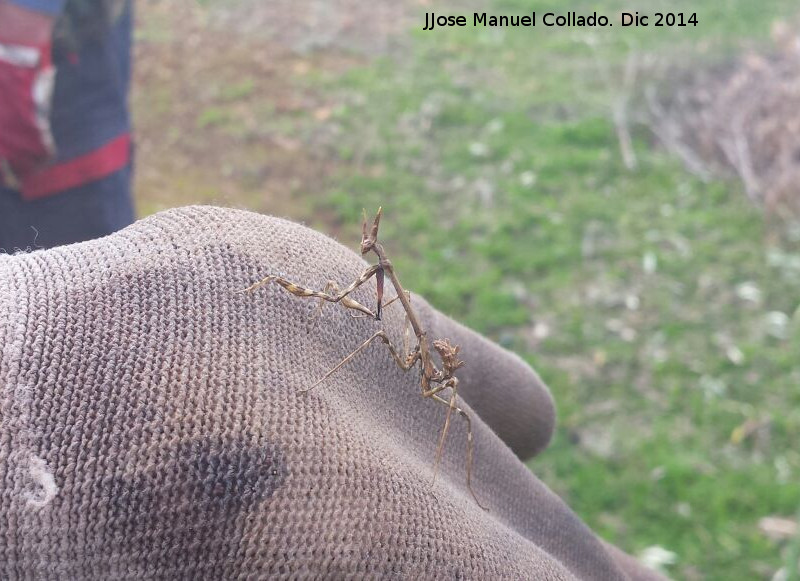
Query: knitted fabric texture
[[151, 424]]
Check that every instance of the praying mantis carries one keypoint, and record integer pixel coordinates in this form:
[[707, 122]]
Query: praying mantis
[[433, 380]]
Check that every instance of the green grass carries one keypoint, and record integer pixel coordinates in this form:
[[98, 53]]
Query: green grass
[[508, 206]]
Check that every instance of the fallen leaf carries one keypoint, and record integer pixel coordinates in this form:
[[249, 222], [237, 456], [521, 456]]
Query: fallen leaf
[[778, 528]]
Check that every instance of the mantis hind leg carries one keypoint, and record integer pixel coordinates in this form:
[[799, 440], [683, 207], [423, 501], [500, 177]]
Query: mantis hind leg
[[404, 364], [451, 406]]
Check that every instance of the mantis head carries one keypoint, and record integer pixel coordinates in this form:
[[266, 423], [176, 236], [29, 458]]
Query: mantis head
[[368, 240]]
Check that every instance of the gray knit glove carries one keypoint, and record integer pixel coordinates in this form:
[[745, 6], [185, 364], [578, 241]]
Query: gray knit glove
[[152, 423]]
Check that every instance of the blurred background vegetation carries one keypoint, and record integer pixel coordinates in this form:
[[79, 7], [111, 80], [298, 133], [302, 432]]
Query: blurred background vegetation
[[542, 186]]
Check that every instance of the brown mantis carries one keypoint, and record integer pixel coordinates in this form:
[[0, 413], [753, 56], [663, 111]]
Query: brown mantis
[[433, 381]]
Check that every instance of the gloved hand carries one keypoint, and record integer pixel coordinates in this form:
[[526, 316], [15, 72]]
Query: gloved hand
[[153, 423], [26, 87]]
